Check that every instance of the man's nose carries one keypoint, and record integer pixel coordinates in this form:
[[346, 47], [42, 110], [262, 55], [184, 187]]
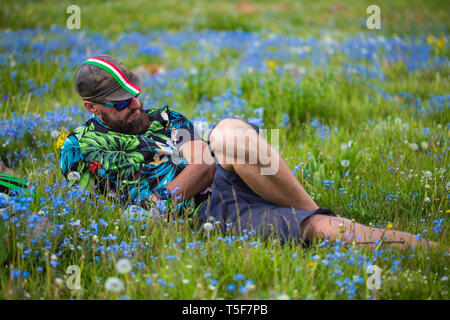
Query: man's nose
[[135, 103]]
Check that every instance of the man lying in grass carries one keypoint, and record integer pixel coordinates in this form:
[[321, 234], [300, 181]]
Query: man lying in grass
[[144, 157]]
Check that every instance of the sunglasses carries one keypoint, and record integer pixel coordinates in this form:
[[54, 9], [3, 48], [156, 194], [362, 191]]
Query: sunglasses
[[119, 105]]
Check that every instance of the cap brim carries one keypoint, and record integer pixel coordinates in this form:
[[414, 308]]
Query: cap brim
[[120, 93]]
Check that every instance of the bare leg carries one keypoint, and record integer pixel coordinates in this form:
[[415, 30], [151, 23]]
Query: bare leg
[[234, 143], [319, 226], [233, 137]]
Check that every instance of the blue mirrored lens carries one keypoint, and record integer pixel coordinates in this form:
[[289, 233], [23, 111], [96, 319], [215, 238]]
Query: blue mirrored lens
[[120, 105]]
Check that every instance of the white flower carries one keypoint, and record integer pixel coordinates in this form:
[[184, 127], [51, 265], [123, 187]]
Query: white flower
[[424, 145], [426, 200], [345, 163], [208, 226], [439, 126], [397, 121], [185, 281], [343, 146], [123, 266], [114, 284], [74, 176], [414, 146]]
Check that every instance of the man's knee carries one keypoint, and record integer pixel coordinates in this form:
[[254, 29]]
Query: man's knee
[[228, 126], [231, 139]]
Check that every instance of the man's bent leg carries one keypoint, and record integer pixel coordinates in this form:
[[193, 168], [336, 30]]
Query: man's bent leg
[[235, 144], [320, 226]]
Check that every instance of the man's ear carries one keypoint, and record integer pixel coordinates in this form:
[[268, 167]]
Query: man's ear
[[90, 106]]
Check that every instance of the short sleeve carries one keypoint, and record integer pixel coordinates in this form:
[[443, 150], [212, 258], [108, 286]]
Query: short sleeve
[[182, 130]]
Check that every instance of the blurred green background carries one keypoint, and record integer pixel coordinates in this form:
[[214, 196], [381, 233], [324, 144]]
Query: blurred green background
[[302, 18]]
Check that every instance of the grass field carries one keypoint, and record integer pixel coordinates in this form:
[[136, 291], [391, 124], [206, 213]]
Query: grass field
[[364, 124]]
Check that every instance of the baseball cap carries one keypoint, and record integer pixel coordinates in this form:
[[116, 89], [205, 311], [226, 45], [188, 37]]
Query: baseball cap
[[105, 78]]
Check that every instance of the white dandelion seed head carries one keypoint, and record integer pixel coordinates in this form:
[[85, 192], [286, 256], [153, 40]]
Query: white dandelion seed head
[[424, 145], [414, 146], [350, 143], [397, 121], [427, 200], [208, 226], [283, 296], [114, 284], [54, 134], [58, 281], [250, 286], [345, 163], [74, 176], [427, 174], [123, 266], [193, 71]]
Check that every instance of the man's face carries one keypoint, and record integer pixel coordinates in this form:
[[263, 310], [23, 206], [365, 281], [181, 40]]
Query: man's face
[[131, 120]]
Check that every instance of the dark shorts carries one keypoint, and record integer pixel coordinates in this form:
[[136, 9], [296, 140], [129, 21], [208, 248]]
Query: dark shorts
[[238, 208]]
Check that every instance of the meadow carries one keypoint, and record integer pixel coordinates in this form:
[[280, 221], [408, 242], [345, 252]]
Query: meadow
[[363, 118]]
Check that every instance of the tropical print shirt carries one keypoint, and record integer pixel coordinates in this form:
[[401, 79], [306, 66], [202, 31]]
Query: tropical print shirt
[[131, 167]]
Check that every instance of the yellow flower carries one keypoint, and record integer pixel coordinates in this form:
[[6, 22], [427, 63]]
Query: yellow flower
[[62, 137], [440, 43], [311, 264], [448, 211], [271, 64], [389, 227], [430, 39]]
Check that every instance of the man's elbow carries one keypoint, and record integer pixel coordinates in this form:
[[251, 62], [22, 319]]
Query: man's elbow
[[210, 170]]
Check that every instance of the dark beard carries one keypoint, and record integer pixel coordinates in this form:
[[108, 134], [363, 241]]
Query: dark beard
[[135, 127]]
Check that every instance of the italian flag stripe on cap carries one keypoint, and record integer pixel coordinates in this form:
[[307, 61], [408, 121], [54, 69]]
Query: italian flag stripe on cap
[[116, 73]]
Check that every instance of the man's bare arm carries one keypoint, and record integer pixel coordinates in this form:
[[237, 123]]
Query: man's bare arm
[[198, 174]]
